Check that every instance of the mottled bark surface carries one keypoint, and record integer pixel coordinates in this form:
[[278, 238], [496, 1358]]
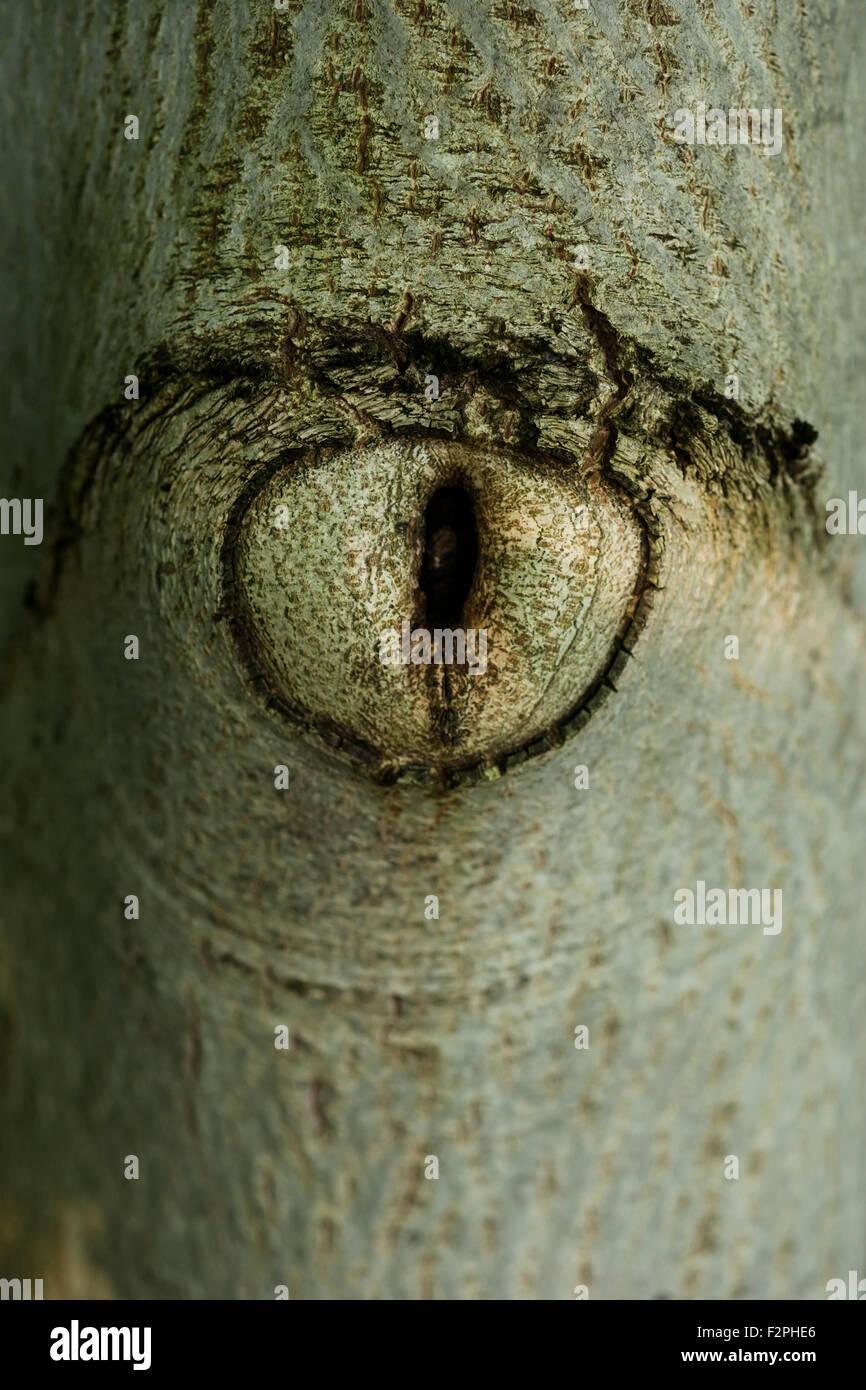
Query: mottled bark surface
[[581, 286]]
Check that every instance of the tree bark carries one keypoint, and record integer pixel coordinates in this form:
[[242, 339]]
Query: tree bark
[[281, 258]]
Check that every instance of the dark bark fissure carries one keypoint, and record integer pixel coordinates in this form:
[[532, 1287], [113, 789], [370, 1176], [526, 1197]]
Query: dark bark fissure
[[448, 564], [450, 555]]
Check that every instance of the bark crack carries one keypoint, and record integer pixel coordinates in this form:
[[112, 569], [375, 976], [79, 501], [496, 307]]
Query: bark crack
[[601, 446]]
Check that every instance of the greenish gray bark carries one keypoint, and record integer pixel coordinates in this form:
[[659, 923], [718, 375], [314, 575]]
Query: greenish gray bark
[[582, 286]]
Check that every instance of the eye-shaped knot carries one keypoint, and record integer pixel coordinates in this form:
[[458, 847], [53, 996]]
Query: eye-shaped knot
[[433, 605]]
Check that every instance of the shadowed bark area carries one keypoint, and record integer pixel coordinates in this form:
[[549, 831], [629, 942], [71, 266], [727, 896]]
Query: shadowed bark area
[[284, 256]]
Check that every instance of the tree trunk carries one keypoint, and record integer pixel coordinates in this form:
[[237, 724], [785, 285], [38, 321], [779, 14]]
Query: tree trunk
[[325, 206]]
